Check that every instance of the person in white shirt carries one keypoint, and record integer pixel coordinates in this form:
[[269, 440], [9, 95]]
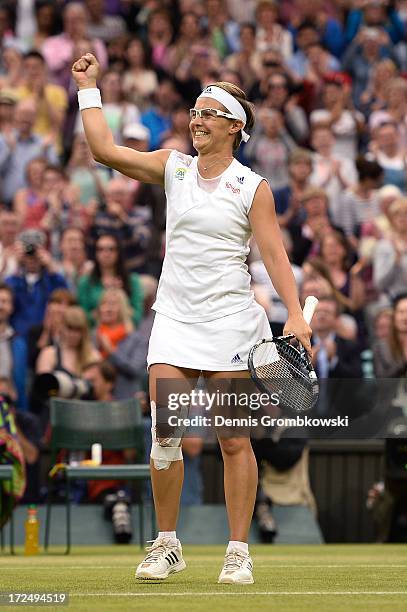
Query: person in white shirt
[[206, 317]]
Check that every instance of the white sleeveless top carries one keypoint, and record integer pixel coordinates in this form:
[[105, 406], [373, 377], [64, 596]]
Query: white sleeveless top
[[204, 275]]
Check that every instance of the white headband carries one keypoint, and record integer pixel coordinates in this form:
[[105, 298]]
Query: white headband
[[229, 102]]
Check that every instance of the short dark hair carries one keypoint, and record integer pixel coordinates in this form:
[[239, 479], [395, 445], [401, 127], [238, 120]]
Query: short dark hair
[[332, 300], [34, 54], [5, 287], [106, 370], [368, 168]]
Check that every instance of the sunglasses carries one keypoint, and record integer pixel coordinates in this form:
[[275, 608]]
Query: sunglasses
[[209, 113]]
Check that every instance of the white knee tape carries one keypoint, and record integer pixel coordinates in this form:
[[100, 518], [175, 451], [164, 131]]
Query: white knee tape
[[165, 450]]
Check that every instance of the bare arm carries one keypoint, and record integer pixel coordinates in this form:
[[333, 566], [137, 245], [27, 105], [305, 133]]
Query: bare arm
[[46, 360], [263, 220], [145, 167]]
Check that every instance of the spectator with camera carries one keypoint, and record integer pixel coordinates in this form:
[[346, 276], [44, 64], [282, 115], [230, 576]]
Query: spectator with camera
[[109, 271], [34, 281]]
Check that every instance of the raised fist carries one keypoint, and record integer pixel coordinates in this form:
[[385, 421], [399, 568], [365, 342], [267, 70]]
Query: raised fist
[[85, 71]]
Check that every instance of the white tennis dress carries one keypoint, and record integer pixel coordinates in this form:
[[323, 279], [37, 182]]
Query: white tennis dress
[[206, 315]]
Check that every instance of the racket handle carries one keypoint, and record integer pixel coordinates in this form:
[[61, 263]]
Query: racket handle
[[310, 305]]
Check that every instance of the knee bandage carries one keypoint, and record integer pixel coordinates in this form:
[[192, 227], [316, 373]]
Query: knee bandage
[[166, 450]]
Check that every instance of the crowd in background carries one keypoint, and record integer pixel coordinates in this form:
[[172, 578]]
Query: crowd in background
[[81, 246]]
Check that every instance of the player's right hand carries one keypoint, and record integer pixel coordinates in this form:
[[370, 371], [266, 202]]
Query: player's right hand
[[85, 71]]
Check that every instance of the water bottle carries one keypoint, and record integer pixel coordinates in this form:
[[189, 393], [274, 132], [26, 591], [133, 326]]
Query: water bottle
[[32, 532]]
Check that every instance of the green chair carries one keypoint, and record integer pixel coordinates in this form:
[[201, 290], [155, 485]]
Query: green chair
[[75, 426], [6, 474]]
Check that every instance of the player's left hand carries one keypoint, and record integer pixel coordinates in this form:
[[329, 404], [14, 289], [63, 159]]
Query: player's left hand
[[297, 326]]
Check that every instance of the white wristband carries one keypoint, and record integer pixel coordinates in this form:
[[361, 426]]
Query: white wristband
[[89, 98]]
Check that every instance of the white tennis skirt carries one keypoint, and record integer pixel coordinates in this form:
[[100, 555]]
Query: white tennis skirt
[[219, 346]]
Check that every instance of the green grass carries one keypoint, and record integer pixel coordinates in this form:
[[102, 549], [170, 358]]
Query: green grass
[[288, 579]]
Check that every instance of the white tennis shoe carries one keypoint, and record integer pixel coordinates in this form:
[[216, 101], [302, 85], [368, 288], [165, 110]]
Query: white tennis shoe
[[237, 568], [164, 558]]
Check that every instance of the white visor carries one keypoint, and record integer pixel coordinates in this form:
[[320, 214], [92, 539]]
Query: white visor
[[229, 102]]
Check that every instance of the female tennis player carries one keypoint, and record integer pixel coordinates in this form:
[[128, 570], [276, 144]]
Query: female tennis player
[[206, 317]]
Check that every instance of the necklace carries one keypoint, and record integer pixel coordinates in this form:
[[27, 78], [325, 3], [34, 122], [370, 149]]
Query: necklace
[[217, 161]]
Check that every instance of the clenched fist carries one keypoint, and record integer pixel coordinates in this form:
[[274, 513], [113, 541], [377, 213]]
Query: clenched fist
[[85, 71]]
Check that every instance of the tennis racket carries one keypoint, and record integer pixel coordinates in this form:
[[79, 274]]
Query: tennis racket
[[276, 366]]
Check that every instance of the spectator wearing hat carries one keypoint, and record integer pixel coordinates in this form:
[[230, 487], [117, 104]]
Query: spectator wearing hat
[[19, 146], [346, 122]]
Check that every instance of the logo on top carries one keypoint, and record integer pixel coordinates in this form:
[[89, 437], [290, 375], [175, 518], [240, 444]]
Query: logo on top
[[240, 179], [207, 90], [232, 188], [180, 173]]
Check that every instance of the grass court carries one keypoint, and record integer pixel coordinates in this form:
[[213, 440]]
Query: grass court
[[288, 579]]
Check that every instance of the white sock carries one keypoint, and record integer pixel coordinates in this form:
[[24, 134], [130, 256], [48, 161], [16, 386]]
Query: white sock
[[240, 546], [168, 534]]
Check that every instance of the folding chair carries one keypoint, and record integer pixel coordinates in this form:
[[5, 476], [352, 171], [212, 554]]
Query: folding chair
[[6, 474], [75, 426]]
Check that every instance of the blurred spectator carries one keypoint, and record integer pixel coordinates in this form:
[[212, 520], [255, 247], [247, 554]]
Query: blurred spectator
[[375, 14], [58, 50], [395, 110], [345, 122], [269, 32], [74, 262], [131, 224], [246, 57], [271, 63], [369, 47], [20, 146], [374, 96], [390, 154], [74, 351], [157, 118], [390, 355], [30, 202], [84, 172], [190, 33], [360, 203], [380, 226], [160, 34], [48, 332], [103, 26], [390, 254], [113, 321], [109, 271], [9, 250], [339, 259], [281, 97], [139, 79], [269, 148], [12, 61], [13, 350], [33, 282], [51, 99], [330, 172], [223, 31], [136, 136], [7, 107], [333, 356], [328, 28], [382, 324], [288, 199], [46, 17], [315, 225]]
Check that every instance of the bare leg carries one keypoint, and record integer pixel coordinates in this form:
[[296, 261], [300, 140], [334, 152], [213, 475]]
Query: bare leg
[[240, 467], [167, 484]]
